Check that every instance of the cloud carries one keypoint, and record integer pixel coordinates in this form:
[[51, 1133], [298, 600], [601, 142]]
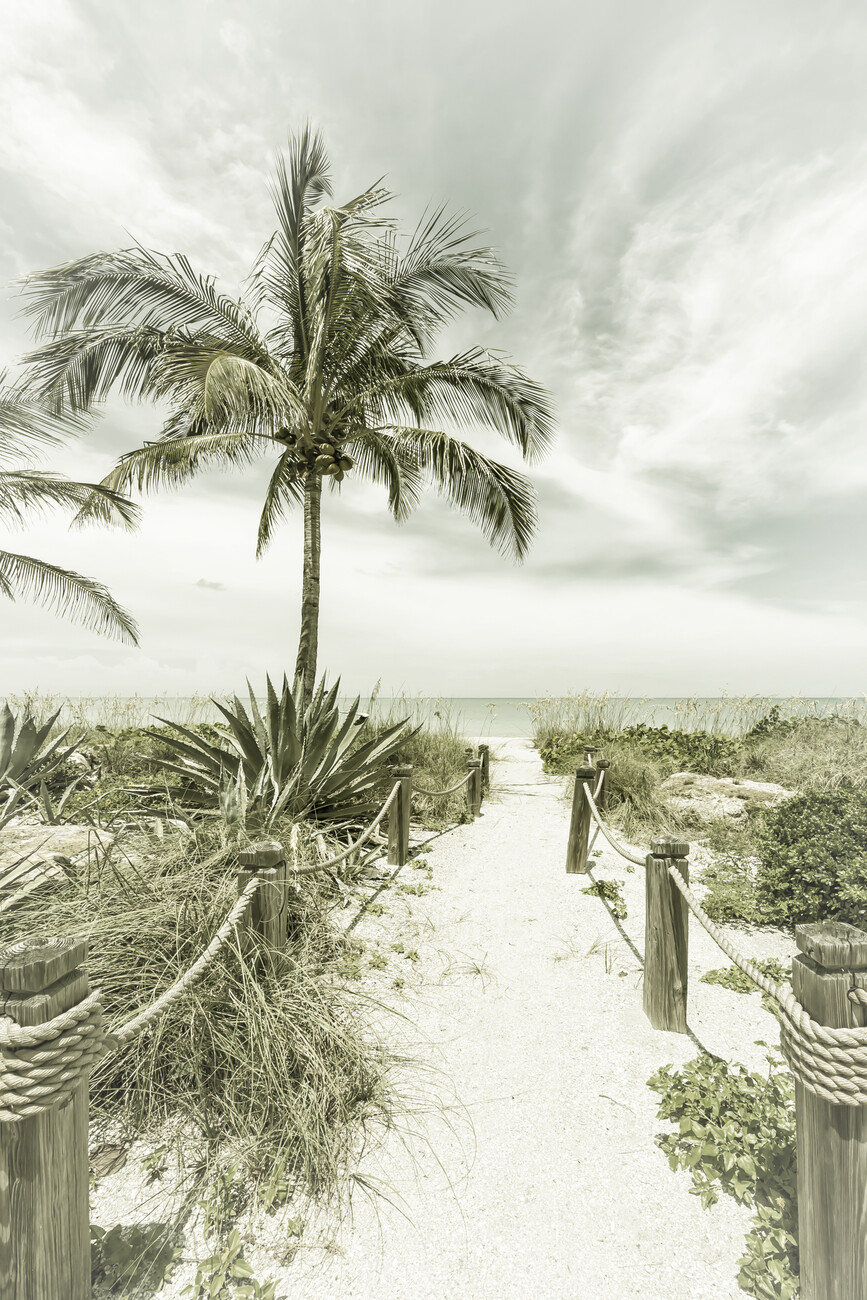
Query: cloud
[[681, 191]]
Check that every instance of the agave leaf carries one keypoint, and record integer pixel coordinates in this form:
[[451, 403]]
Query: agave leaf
[[340, 742], [208, 780], [259, 729], [211, 757], [67, 793], [47, 807], [244, 739], [7, 731]]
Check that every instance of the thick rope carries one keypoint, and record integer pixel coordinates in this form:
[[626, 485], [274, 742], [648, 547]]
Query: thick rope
[[435, 794], [832, 1063], [624, 853], [599, 783], [41, 1066], [333, 862], [120, 1037]]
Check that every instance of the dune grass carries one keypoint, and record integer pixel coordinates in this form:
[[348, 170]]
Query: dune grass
[[436, 749], [277, 1061]]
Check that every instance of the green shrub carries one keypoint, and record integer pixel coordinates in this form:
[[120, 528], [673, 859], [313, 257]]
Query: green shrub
[[730, 878], [813, 859], [737, 1135], [710, 753], [674, 751]]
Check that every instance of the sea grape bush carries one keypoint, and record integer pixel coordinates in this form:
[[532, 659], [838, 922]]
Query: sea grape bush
[[813, 859], [694, 751], [736, 1134]]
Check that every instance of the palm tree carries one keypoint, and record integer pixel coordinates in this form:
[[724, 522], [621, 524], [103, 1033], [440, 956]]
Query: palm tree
[[25, 425], [325, 362]]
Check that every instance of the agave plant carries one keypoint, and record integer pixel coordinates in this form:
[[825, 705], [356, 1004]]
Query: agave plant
[[26, 761], [286, 761]]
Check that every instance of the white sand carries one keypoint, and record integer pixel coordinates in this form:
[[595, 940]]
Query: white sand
[[528, 1168], [542, 1180]]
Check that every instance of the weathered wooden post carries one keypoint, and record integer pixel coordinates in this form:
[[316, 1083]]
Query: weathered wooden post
[[602, 800], [666, 937], [579, 827], [470, 787], [266, 920], [44, 1177], [589, 751], [399, 816], [831, 1139], [474, 785], [485, 756]]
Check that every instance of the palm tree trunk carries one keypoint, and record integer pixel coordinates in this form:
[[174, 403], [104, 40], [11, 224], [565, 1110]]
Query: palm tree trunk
[[308, 641]]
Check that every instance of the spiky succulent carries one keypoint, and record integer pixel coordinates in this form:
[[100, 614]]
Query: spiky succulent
[[285, 760]]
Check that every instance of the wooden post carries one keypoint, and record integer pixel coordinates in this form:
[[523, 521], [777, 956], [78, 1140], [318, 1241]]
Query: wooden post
[[470, 787], [475, 785], [602, 802], [399, 816], [266, 920], [666, 937], [485, 756], [44, 1174], [579, 827], [831, 1140], [589, 751]]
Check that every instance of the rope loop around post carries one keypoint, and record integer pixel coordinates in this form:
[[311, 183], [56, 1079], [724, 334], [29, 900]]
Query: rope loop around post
[[624, 853], [41, 1066], [436, 794]]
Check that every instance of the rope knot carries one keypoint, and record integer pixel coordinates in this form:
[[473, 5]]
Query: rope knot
[[41, 1066]]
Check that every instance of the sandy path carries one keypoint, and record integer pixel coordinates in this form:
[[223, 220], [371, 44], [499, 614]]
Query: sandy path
[[531, 1169]]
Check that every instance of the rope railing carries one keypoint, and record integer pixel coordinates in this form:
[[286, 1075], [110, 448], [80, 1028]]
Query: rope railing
[[823, 1038], [829, 1062], [45, 1066], [436, 794], [117, 1038], [600, 825], [362, 839]]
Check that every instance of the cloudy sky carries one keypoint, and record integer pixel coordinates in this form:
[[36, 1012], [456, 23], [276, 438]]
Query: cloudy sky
[[680, 189]]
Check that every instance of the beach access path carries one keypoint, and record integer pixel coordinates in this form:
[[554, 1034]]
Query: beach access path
[[525, 1166]]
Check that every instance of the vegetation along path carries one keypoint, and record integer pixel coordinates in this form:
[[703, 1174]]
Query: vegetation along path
[[526, 1165]]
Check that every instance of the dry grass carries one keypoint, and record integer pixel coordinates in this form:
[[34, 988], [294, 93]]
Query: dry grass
[[277, 1062]]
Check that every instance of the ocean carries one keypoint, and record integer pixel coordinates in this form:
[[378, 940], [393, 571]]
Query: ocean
[[480, 716]]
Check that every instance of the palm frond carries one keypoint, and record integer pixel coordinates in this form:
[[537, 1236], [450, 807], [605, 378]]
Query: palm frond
[[175, 460], [133, 286], [285, 490], [27, 424], [82, 599], [29, 490], [382, 459], [442, 270], [498, 499], [467, 390]]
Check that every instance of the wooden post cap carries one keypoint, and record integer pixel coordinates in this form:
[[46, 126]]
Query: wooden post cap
[[266, 853], [585, 773], [833, 943], [401, 769], [32, 964], [669, 848], [604, 762]]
